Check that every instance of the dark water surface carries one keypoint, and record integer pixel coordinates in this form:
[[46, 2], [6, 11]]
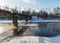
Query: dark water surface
[[47, 32], [44, 29]]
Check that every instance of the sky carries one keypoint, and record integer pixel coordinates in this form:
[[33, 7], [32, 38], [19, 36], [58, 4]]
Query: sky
[[33, 4]]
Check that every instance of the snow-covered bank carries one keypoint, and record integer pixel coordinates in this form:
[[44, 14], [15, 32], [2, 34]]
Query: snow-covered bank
[[33, 39], [26, 39]]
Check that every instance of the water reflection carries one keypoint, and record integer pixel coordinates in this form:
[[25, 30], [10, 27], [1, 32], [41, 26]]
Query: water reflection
[[44, 29]]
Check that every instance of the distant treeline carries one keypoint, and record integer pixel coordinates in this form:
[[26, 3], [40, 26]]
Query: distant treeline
[[40, 14], [44, 14]]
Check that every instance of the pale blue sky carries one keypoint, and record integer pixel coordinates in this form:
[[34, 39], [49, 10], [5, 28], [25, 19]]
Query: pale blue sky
[[33, 4]]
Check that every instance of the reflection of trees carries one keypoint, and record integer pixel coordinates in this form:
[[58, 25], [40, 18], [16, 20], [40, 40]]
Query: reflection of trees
[[43, 14], [43, 24], [43, 29], [24, 28], [53, 28], [49, 29]]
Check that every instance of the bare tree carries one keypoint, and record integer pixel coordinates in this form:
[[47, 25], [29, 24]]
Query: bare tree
[[43, 14]]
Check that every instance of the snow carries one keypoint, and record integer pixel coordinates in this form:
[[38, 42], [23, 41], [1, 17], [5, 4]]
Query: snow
[[33, 39], [5, 28], [28, 39]]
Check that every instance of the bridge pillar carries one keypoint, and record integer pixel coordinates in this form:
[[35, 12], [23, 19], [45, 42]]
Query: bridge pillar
[[26, 19], [15, 23]]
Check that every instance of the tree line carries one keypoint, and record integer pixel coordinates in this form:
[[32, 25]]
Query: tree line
[[40, 14]]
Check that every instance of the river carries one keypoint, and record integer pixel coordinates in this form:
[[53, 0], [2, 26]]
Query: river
[[43, 33]]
